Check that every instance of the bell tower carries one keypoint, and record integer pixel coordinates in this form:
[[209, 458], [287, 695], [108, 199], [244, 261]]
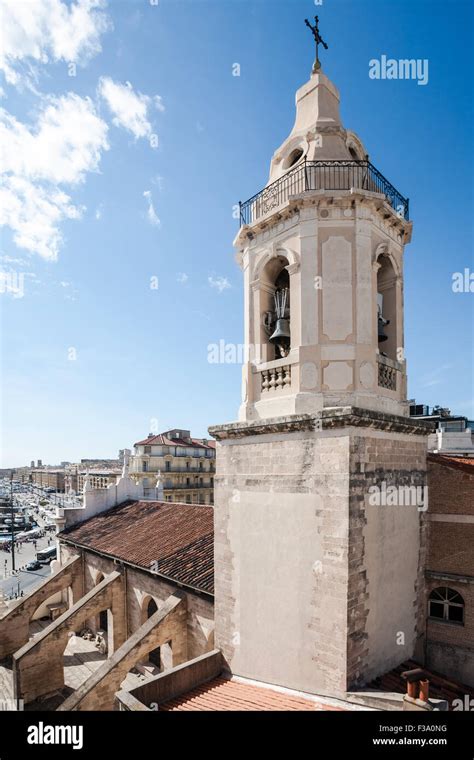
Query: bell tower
[[317, 585], [321, 249]]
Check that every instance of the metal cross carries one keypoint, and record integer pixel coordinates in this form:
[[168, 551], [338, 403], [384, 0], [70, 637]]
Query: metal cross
[[318, 40]]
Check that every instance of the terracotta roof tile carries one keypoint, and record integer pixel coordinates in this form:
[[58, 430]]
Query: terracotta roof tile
[[223, 694], [440, 686], [163, 440], [179, 537], [459, 463]]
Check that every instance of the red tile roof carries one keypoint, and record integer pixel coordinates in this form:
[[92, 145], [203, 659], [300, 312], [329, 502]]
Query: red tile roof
[[228, 694], [163, 440], [179, 537], [440, 686], [466, 464]]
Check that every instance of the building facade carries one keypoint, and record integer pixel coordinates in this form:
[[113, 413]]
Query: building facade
[[449, 601], [185, 466], [49, 479], [97, 478]]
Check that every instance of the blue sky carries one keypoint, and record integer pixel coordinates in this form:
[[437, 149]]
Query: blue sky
[[123, 183]]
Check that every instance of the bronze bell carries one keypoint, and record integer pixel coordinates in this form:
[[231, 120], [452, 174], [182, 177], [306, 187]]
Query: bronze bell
[[382, 322], [281, 334]]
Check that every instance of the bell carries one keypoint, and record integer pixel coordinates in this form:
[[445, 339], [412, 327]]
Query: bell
[[381, 324], [281, 334]]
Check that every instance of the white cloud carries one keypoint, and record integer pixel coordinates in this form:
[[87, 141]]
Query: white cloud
[[99, 211], [158, 101], [151, 213], [45, 31], [64, 145], [435, 376], [182, 278], [130, 109], [60, 149], [33, 213], [220, 283]]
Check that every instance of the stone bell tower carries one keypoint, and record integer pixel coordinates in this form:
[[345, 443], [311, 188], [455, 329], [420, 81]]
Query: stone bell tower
[[317, 586], [332, 230]]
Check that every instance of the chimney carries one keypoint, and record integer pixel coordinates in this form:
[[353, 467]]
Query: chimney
[[418, 690]]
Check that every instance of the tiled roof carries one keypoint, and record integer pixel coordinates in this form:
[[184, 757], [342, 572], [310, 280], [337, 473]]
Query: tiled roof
[[228, 694], [163, 440], [466, 464], [179, 537], [440, 686]]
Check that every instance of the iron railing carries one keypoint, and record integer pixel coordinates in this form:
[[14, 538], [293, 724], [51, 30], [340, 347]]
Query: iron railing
[[322, 175], [185, 486]]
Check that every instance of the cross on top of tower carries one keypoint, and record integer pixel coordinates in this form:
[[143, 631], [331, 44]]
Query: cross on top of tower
[[318, 40]]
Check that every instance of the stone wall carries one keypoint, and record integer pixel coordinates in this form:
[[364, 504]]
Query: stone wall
[[140, 587], [387, 553], [38, 667], [166, 624], [15, 622], [313, 585], [281, 558]]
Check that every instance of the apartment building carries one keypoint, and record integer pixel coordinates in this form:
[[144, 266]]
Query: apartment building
[[185, 465]]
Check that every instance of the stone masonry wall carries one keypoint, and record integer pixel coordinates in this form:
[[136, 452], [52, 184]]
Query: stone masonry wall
[[140, 587], [281, 554], [387, 550]]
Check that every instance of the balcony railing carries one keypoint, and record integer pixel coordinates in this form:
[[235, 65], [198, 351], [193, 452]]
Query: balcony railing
[[322, 175], [184, 487]]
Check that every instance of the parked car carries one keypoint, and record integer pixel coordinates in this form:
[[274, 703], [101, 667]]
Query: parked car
[[34, 565]]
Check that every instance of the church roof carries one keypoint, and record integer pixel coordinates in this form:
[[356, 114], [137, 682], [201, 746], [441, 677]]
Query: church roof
[[164, 440], [466, 464], [179, 538], [223, 694]]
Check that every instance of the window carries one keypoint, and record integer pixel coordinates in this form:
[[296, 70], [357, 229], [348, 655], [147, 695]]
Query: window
[[144, 466], [446, 604], [167, 465], [147, 449], [293, 158]]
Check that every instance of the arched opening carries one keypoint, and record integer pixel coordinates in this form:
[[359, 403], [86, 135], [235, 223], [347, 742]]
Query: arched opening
[[276, 309], [447, 605], [388, 342], [102, 624], [154, 656], [293, 158]]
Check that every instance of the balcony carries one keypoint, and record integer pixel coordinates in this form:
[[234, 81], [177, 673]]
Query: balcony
[[322, 175], [191, 470], [184, 487]]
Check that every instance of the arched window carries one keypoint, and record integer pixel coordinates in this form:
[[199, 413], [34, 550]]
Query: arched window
[[275, 304], [151, 608], [387, 308], [446, 604], [293, 158]]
